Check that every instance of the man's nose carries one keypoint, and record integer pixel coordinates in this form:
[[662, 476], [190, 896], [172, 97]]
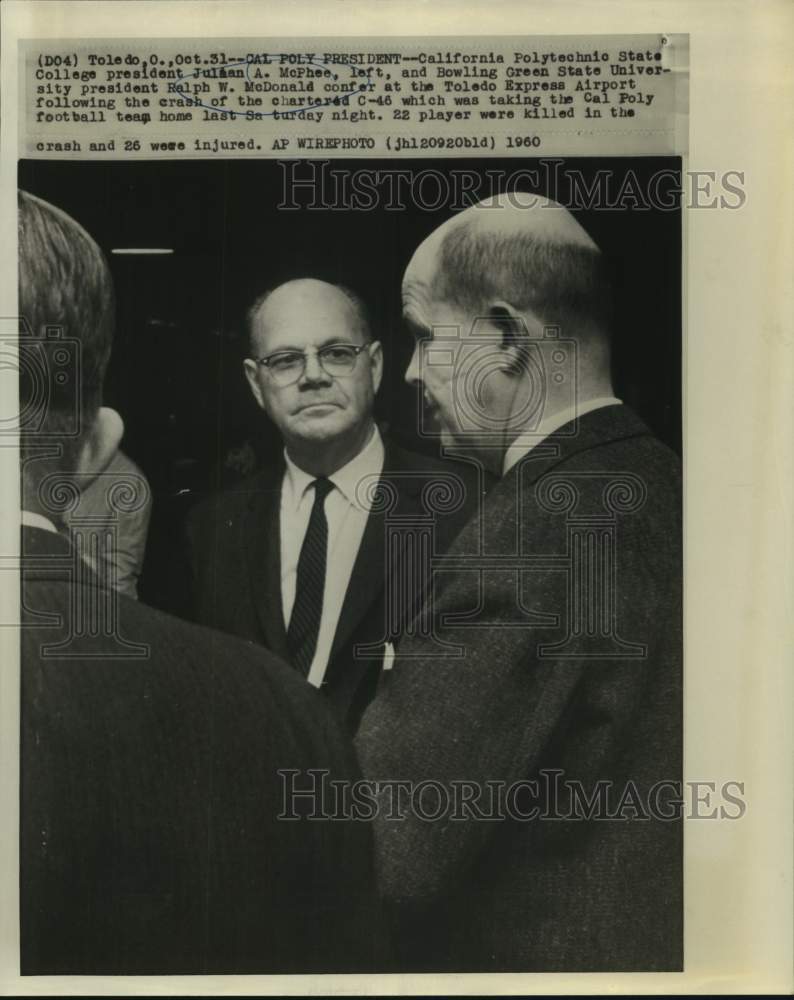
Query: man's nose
[[412, 376], [313, 371]]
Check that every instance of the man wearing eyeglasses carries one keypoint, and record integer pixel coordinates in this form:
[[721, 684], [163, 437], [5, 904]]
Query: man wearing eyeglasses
[[301, 558]]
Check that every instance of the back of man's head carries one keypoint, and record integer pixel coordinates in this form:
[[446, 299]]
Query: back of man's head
[[530, 253], [66, 307]]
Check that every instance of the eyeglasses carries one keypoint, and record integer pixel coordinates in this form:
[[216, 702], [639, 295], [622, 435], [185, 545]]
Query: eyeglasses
[[286, 367]]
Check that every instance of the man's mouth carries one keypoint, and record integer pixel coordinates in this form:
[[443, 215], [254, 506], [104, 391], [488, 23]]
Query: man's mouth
[[317, 407], [432, 416]]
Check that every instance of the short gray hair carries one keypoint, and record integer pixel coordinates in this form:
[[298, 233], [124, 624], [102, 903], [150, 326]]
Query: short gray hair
[[64, 284], [564, 284]]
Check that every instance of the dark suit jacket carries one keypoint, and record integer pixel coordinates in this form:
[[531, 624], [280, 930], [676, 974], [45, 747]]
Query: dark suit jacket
[[571, 662], [150, 841], [234, 552]]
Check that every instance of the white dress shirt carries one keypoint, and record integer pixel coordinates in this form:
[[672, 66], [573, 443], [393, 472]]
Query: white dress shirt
[[525, 442], [30, 519], [346, 510]]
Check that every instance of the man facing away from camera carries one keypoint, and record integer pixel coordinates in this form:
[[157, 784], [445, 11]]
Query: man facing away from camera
[[301, 558], [548, 742], [150, 837]]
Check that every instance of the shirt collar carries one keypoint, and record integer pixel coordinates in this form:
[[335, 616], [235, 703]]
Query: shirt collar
[[526, 441], [30, 519], [368, 462]]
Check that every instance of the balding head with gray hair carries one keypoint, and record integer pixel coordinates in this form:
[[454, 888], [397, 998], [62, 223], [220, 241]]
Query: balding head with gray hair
[[486, 286], [360, 321], [533, 255]]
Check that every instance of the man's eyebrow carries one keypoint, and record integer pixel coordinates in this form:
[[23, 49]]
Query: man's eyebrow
[[330, 341], [291, 349]]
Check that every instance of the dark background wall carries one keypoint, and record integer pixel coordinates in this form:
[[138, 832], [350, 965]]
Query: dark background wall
[[176, 375]]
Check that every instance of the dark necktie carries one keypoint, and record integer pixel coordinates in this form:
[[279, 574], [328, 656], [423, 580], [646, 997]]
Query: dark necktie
[[304, 623]]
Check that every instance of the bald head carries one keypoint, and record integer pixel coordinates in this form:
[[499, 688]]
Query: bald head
[[534, 256], [480, 296], [498, 217], [306, 301]]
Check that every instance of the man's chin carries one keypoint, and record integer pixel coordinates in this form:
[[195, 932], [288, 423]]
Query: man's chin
[[447, 434], [319, 423], [463, 441]]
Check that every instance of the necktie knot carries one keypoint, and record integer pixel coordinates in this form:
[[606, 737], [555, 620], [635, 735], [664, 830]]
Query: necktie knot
[[322, 487]]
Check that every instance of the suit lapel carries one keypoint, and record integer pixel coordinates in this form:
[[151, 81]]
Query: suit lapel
[[263, 552], [372, 563]]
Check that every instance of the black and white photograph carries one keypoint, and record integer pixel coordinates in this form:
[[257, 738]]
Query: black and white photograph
[[397, 483]]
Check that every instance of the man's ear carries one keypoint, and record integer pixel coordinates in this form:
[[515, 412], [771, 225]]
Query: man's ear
[[376, 360], [514, 335], [99, 444], [251, 370]]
